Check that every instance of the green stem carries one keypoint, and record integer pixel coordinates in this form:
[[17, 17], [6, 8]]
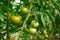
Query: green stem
[[24, 24], [7, 25]]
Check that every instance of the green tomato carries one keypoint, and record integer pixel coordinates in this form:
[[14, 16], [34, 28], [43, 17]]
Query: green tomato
[[32, 30], [24, 10], [45, 32], [35, 23], [46, 36], [16, 19], [41, 37]]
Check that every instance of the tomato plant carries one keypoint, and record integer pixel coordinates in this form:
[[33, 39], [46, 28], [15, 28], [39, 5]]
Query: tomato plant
[[29, 19]]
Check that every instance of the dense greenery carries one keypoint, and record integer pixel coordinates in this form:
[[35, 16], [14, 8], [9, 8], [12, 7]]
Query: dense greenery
[[29, 19]]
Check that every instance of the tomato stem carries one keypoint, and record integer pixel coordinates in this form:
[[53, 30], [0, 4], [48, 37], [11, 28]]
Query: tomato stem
[[24, 23]]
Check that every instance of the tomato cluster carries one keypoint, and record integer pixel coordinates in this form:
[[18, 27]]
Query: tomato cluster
[[33, 29], [34, 23], [18, 19]]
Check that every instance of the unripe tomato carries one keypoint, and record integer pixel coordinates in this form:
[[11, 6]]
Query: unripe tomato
[[16, 19], [32, 30], [46, 36], [24, 10], [45, 32], [41, 37], [35, 23]]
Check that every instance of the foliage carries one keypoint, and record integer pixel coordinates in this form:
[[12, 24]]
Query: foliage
[[45, 12]]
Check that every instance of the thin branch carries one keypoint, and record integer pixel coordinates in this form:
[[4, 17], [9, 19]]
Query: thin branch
[[24, 24], [7, 25]]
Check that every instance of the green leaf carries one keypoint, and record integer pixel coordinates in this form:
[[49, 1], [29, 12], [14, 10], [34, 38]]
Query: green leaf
[[51, 15], [43, 20]]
